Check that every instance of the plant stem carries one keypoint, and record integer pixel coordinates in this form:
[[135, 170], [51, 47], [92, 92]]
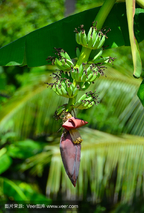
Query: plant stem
[[85, 52], [141, 3], [103, 13], [70, 104]]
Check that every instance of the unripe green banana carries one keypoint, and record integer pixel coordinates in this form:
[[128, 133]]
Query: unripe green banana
[[101, 60], [65, 65], [98, 54], [89, 34], [64, 89], [69, 62], [78, 38], [95, 76], [58, 88], [83, 97], [75, 91], [84, 103], [88, 105], [84, 38], [72, 72], [76, 74], [89, 76], [64, 92], [94, 35], [81, 70], [84, 85], [90, 42], [60, 109], [102, 41], [84, 76], [78, 52], [89, 70], [69, 90], [97, 41], [65, 55], [58, 63], [55, 90]]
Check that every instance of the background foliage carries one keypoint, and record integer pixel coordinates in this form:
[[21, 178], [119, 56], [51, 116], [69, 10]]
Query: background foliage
[[111, 171]]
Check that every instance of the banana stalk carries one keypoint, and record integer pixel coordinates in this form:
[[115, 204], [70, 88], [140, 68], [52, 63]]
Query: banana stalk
[[130, 10]]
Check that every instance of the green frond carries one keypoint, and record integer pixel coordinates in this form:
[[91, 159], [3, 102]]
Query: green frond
[[120, 110], [31, 110]]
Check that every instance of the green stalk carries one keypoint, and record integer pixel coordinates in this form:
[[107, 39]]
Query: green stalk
[[141, 3], [70, 104], [130, 10], [84, 56], [103, 13]]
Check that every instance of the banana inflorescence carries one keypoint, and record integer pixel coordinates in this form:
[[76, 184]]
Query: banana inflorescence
[[74, 77]]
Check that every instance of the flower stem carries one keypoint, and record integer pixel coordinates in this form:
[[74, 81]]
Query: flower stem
[[85, 52], [70, 104], [103, 13], [141, 3]]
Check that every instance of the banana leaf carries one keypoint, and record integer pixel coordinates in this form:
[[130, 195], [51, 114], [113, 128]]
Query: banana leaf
[[34, 48]]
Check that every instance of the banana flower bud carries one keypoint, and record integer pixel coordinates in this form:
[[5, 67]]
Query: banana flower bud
[[70, 147]]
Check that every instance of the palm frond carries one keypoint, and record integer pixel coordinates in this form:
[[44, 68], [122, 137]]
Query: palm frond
[[31, 110], [120, 110]]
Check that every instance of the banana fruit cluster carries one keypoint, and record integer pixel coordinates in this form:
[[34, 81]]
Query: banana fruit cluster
[[63, 62], [85, 75], [94, 39], [63, 85], [86, 101]]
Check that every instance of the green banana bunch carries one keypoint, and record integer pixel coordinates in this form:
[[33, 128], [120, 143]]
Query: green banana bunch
[[94, 39], [65, 89], [92, 74], [86, 101], [74, 78], [63, 62], [88, 75], [77, 73]]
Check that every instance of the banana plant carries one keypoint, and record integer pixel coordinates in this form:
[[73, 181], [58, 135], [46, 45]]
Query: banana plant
[[74, 76]]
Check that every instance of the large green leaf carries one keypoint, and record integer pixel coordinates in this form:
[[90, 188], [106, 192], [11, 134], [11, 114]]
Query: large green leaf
[[12, 190], [5, 160], [34, 48]]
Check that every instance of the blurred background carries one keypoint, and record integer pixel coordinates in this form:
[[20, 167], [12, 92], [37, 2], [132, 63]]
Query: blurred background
[[111, 177]]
